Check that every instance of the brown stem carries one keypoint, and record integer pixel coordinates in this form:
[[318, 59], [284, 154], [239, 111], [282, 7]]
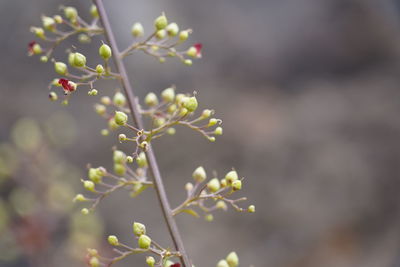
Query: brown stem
[[153, 166]]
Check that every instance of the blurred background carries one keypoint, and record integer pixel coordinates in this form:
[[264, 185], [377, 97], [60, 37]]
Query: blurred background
[[308, 91]]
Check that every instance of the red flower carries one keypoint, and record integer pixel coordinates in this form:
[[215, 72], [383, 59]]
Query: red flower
[[198, 47], [30, 47], [66, 85], [175, 265]]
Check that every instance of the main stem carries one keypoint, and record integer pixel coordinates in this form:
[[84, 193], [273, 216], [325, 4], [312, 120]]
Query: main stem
[[153, 166]]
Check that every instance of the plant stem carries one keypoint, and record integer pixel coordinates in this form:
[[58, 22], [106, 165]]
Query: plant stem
[[153, 166]]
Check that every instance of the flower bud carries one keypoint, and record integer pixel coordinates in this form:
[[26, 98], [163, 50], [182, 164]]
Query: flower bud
[[39, 32], [88, 185], [213, 185], [218, 131], [105, 51], [191, 104], [95, 175], [60, 68], [105, 100], [192, 52], [237, 185], [84, 38], [151, 99], [180, 98], [188, 62], [53, 96], [93, 92], [121, 137], [100, 109], [183, 35], [199, 175], [209, 218], [139, 229], [71, 59], [144, 145], [48, 23], [172, 29], [120, 118], [119, 99], [71, 13], [94, 12], [222, 263], [168, 263], [137, 29], [93, 252], [171, 131], [232, 259], [85, 211], [211, 139], [221, 205], [94, 262], [161, 34], [79, 60], [189, 187], [141, 160], [104, 132], [212, 122], [58, 19], [183, 112], [161, 22], [100, 69], [44, 59], [251, 209], [79, 198], [129, 159], [119, 169], [144, 242], [231, 176], [159, 121], [112, 240], [150, 261], [119, 156], [37, 49], [206, 113], [168, 94], [223, 183], [171, 108]]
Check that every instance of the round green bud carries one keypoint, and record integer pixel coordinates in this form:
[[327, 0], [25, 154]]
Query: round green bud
[[191, 104], [58, 19], [218, 131], [84, 38], [231, 176], [188, 62], [79, 60], [120, 118], [139, 229], [39, 32], [119, 169], [159, 121], [105, 51], [121, 137], [112, 240], [183, 35], [44, 59], [171, 108], [232, 259], [100, 69], [251, 209], [172, 29], [94, 12], [150, 261], [161, 22], [171, 131], [223, 263], [71, 59], [88, 185], [144, 145], [48, 23], [119, 156], [141, 160], [199, 175], [206, 113], [161, 59], [213, 185], [60, 68], [189, 187], [95, 175], [209, 217], [112, 124], [94, 262], [144, 242], [183, 112], [168, 95], [129, 159], [221, 205], [119, 99], [93, 252], [211, 139], [223, 183], [137, 29], [100, 109], [93, 92], [104, 132], [212, 122], [237, 185], [192, 52], [180, 98], [105, 100], [37, 49], [71, 13], [85, 211], [53, 96], [79, 198], [151, 99], [161, 34]]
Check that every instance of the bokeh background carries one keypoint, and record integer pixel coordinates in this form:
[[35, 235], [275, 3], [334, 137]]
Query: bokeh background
[[308, 91]]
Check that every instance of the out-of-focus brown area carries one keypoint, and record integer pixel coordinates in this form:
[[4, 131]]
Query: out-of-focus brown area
[[308, 91]]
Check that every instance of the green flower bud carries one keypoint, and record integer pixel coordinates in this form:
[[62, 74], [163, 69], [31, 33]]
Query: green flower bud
[[212, 122], [251, 209], [192, 52], [121, 137], [37, 49], [93, 252], [168, 263], [112, 240], [141, 160], [213, 185], [79, 198], [231, 176], [221, 205], [93, 92], [94, 12], [105, 51], [119, 99], [100, 109], [71, 13], [60, 68], [237, 185], [144, 145], [53, 96], [218, 131], [39, 32], [44, 59], [100, 69], [191, 104], [137, 29], [95, 175], [58, 19], [183, 112], [150, 261], [180, 98], [84, 38], [144, 242], [120, 118], [159, 121], [112, 124], [119, 169], [232, 259], [129, 159], [94, 262], [161, 22], [48, 23], [85, 211], [222, 263], [168, 95], [211, 139], [224, 183], [189, 187], [172, 29], [206, 113], [188, 62], [88, 185], [104, 132], [71, 59], [105, 100], [209, 218], [171, 109], [161, 34], [199, 175], [161, 59], [79, 60], [151, 99], [183, 35], [139, 229], [119, 156], [171, 131]]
